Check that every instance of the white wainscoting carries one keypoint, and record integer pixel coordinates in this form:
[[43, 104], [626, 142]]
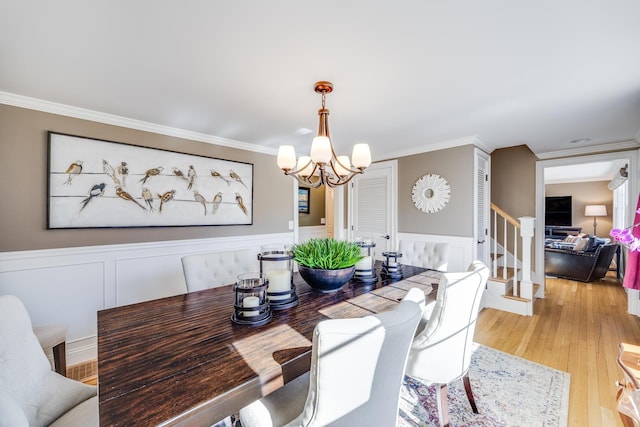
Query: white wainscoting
[[311, 232], [460, 248], [70, 285]]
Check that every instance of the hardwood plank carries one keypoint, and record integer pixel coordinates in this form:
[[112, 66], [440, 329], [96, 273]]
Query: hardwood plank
[[575, 328]]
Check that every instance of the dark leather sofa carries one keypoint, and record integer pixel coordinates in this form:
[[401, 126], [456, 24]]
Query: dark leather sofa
[[579, 265]]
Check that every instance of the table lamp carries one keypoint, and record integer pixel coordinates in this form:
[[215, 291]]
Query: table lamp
[[594, 211]]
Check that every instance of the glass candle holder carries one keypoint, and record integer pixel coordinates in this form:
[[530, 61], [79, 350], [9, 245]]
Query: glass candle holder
[[365, 268], [251, 302], [276, 263], [391, 267]]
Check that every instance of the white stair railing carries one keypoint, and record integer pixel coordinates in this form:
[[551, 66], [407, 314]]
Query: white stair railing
[[520, 231]]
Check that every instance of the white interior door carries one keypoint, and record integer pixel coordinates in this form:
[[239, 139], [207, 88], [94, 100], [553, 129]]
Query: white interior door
[[482, 204], [373, 206]]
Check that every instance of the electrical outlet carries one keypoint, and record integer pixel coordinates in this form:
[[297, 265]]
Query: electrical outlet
[[290, 225]]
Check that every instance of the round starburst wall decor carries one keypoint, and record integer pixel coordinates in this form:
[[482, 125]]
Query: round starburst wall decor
[[430, 193]]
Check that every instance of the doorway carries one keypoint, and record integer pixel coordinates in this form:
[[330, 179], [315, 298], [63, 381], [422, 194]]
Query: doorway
[[621, 206]]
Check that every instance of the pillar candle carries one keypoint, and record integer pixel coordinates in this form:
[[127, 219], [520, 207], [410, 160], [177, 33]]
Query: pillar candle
[[251, 301], [279, 281], [364, 263]]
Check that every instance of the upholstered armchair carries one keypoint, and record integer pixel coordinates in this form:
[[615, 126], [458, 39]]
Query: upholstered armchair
[[31, 394], [357, 368], [213, 269], [425, 254], [441, 351]]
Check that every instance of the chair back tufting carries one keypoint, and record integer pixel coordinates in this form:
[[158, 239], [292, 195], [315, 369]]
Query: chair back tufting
[[213, 269], [434, 255]]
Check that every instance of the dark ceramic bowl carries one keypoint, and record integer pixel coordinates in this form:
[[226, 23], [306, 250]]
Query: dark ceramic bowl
[[326, 280]]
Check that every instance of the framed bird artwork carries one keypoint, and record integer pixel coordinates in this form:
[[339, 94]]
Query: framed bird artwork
[[95, 183]]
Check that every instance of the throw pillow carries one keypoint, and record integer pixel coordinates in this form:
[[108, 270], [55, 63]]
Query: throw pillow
[[581, 245], [593, 244], [572, 239]]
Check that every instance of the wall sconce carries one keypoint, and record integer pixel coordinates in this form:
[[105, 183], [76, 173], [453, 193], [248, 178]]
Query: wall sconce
[[276, 264], [391, 267], [252, 305]]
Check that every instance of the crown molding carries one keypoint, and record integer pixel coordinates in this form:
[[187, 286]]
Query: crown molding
[[110, 119], [442, 145], [592, 149]]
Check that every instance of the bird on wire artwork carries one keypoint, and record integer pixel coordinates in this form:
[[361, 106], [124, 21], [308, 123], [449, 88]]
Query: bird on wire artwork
[[110, 172], [166, 197], [123, 171], [200, 199], [177, 172], [73, 170], [147, 196], [126, 196], [192, 175], [217, 199], [216, 174], [236, 177], [241, 203], [151, 172], [96, 191]]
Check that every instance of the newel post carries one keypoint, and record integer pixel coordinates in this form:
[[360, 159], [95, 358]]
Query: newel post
[[527, 230]]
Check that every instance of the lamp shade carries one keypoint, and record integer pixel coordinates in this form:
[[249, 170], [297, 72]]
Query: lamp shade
[[595, 210]]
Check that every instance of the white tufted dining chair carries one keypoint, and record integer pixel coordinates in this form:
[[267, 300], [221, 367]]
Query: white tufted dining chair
[[441, 351], [53, 338], [357, 368], [434, 255], [213, 269], [31, 394]]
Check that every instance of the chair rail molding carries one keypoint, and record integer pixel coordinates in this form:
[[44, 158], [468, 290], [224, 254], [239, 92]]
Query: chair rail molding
[[70, 285]]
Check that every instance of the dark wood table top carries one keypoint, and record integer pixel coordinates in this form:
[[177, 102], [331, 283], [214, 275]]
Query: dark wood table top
[[182, 361]]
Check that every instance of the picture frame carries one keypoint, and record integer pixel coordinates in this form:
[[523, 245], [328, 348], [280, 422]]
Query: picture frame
[[94, 183], [304, 200]]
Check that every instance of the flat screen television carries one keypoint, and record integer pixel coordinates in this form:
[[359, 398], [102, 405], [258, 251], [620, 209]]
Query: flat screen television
[[557, 211]]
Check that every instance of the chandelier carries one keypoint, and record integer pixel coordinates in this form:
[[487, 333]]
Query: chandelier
[[323, 166]]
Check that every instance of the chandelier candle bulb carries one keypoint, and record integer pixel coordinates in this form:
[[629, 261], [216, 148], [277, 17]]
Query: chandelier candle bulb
[[286, 157], [279, 281], [361, 156], [321, 149], [249, 302], [305, 166], [341, 165]]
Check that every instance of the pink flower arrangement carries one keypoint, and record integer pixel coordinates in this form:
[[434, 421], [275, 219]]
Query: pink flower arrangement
[[625, 236]]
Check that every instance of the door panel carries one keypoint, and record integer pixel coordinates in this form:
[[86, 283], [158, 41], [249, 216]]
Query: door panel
[[374, 206]]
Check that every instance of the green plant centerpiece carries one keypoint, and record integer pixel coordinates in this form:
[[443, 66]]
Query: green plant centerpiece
[[326, 264]]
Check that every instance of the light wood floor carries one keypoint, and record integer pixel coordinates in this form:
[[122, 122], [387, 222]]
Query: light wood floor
[[576, 328]]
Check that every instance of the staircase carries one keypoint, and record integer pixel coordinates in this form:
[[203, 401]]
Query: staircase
[[510, 287]]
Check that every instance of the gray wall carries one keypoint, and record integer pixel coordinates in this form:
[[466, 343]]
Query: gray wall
[[456, 166], [513, 180], [23, 184]]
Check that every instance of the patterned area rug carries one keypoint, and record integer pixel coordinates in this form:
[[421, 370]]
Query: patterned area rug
[[509, 391]]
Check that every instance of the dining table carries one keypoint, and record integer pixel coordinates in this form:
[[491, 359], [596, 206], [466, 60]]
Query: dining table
[[182, 361]]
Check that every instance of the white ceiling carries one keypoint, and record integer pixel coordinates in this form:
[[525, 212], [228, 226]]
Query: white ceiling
[[408, 75]]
